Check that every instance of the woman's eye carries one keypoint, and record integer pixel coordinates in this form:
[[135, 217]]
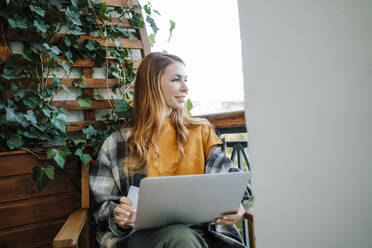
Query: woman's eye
[[175, 80]]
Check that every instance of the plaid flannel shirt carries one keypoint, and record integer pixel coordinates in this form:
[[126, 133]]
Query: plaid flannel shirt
[[108, 183]]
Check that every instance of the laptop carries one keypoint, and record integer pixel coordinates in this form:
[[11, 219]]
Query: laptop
[[189, 199]]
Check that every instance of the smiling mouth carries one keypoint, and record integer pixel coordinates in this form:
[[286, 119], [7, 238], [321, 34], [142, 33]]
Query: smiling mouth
[[181, 98]]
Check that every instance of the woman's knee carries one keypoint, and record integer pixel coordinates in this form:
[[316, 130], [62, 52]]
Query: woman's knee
[[183, 236]]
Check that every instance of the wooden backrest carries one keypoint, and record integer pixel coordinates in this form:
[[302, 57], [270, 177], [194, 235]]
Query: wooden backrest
[[29, 218]]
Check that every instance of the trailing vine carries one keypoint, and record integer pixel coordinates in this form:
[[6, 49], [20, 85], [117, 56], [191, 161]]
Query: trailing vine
[[54, 34]]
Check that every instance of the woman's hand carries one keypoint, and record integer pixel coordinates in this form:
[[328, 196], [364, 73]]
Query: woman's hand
[[230, 219], [124, 214]]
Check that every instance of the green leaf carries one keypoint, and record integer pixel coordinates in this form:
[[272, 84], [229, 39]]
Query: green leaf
[[38, 10], [31, 117], [64, 111], [54, 49], [26, 56], [98, 97], [46, 111], [59, 123], [31, 102], [56, 82], [172, 26], [14, 87], [85, 158], [41, 26], [147, 9], [152, 23], [9, 73], [157, 12], [39, 177], [59, 155], [29, 135], [72, 124], [11, 116], [152, 39], [90, 131], [65, 66], [75, 30], [67, 89], [75, 3], [14, 141], [189, 106], [49, 171], [69, 57], [116, 74], [78, 141], [73, 16], [77, 83], [54, 56], [18, 22], [90, 45], [122, 106], [67, 41], [85, 101], [7, 2]]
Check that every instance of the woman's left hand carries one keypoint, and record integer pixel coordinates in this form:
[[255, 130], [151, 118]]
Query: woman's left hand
[[230, 219]]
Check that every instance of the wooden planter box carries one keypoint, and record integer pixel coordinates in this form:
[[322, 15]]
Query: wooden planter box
[[29, 218]]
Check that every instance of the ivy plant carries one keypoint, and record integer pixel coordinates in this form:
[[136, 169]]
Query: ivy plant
[[54, 34]]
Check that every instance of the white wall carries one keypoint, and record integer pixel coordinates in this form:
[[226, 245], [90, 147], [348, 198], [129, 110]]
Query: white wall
[[308, 84]]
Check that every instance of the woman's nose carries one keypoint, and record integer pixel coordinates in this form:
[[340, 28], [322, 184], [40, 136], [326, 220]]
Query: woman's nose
[[184, 87]]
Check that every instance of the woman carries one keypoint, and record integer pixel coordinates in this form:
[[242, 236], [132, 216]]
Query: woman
[[162, 141]]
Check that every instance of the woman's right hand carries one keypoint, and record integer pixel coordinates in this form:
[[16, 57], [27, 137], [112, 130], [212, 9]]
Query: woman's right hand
[[124, 214]]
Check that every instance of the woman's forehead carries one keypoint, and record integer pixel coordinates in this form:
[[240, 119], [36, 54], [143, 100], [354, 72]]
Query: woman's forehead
[[175, 68]]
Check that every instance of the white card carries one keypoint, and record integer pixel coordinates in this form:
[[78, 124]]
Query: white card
[[133, 195]]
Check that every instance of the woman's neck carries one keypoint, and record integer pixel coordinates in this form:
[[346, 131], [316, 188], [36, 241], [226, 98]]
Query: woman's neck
[[168, 111]]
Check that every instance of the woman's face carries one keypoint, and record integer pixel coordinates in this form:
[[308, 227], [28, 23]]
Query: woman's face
[[173, 85]]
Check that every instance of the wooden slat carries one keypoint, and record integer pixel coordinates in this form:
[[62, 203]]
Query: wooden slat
[[38, 209], [85, 186], [4, 51], [23, 187], [92, 83], [115, 3], [142, 33], [116, 21], [127, 43], [21, 162], [88, 63], [84, 124], [74, 105], [78, 63], [89, 115], [69, 234], [33, 235], [229, 119]]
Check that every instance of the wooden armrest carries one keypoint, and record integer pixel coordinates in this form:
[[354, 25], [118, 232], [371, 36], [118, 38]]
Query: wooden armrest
[[69, 234], [248, 216], [248, 213]]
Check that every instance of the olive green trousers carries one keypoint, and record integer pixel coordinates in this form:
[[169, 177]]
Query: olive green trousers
[[180, 236]]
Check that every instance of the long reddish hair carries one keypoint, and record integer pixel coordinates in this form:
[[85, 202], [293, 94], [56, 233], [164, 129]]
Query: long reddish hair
[[149, 113]]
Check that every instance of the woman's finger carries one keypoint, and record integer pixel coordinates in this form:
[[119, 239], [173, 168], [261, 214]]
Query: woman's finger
[[127, 208], [122, 212], [230, 217], [125, 201], [221, 221]]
